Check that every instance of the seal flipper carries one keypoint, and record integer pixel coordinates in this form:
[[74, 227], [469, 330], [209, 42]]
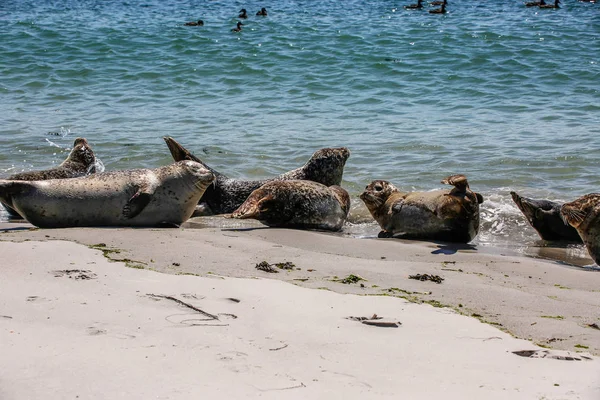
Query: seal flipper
[[180, 153], [9, 188], [136, 204]]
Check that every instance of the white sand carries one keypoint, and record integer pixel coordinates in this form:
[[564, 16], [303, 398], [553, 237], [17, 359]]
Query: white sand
[[66, 338]]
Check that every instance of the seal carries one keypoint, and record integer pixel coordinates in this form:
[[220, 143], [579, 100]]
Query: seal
[[446, 215], [583, 214], [80, 161], [297, 204], [544, 216], [326, 166], [164, 196]]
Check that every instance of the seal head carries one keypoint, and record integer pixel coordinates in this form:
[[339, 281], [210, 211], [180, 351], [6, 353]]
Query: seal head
[[297, 204], [583, 214], [544, 216]]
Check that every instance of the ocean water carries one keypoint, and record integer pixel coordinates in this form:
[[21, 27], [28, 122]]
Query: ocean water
[[505, 94]]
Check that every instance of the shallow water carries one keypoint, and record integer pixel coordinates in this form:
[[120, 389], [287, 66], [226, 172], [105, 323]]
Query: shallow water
[[505, 94]]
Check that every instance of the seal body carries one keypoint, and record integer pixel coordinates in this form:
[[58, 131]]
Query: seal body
[[139, 197], [297, 204], [81, 161], [583, 214], [326, 166], [544, 216], [446, 215]]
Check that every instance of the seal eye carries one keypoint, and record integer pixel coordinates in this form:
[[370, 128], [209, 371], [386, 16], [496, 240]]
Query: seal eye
[[378, 188]]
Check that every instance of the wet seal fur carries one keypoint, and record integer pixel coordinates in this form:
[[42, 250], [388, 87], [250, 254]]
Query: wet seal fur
[[164, 196], [445, 215], [80, 161], [544, 216], [583, 214], [326, 166], [297, 204]]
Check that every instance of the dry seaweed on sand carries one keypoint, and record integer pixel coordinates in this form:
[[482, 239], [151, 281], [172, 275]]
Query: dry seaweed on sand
[[265, 266], [426, 277], [350, 279]]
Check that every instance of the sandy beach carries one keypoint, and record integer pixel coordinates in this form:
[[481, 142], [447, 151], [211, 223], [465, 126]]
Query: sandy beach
[[184, 313]]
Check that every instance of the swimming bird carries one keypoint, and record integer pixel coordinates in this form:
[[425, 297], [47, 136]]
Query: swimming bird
[[441, 10], [239, 27], [555, 5], [535, 3], [438, 3], [262, 12], [415, 6], [199, 23], [243, 14]]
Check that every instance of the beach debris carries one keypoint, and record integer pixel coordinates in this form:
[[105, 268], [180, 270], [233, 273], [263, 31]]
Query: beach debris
[[279, 348], [77, 274], [183, 303], [265, 266], [594, 325], [376, 320], [233, 299], [555, 354], [426, 277], [350, 279]]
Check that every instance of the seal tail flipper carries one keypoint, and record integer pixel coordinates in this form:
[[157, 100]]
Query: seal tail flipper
[[458, 181], [136, 204], [8, 189], [180, 153]]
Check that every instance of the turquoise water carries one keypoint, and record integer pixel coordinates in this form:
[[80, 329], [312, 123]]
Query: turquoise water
[[505, 94]]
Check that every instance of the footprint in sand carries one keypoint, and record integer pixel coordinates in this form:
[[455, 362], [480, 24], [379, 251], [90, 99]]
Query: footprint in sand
[[555, 354], [95, 331], [77, 274], [37, 299]]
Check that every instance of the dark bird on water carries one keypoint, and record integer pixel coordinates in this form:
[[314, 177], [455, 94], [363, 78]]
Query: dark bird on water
[[239, 27], [417, 6], [441, 10], [243, 14], [555, 5], [438, 3], [193, 23], [262, 12], [535, 3]]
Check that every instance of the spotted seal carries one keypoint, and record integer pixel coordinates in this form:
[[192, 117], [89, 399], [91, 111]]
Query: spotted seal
[[544, 216], [446, 215], [138, 197], [297, 204], [583, 214], [326, 166], [80, 161]]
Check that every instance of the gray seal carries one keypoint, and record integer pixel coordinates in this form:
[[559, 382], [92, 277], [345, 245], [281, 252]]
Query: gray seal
[[445, 215], [164, 196], [298, 205], [81, 161], [544, 216], [583, 214], [326, 166]]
